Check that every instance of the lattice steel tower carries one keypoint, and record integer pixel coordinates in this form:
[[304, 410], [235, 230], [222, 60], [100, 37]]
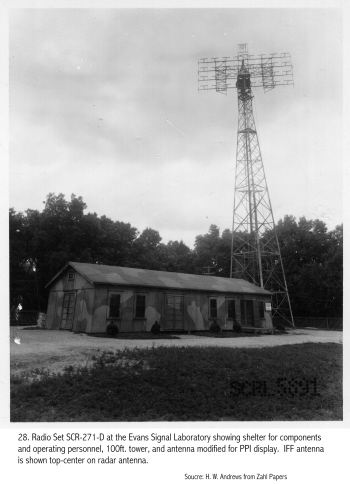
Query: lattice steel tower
[[255, 252]]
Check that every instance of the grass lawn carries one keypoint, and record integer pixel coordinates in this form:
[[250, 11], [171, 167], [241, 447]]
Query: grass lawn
[[292, 382]]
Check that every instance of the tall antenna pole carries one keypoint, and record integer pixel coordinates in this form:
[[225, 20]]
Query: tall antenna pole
[[255, 251]]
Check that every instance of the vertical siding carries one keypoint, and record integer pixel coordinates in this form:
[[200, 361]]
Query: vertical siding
[[221, 305], [154, 309], [100, 310], [51, 309], [83, 310], [204, 305], [127, 323], [58, 312], [83, 305], [91, 309], [268, 319], [193, 316]]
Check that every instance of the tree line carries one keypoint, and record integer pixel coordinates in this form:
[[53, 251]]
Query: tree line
[[41, 243]]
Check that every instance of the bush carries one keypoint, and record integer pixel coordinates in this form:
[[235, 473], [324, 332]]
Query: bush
[[155, 328], [237, 328], [215, 327], [112, 329], [279, 326]]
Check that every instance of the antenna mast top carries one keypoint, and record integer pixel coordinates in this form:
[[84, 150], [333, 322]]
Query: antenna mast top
[[267, 71]]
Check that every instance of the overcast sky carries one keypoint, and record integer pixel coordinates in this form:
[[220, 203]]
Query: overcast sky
[[105, 104]]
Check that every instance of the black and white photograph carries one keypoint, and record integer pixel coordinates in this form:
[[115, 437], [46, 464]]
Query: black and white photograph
[[175, 238]]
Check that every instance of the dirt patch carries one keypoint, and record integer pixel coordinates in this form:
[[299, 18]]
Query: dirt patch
[[54, 350]]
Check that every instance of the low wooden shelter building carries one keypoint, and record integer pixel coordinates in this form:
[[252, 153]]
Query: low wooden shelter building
[[87, 297]]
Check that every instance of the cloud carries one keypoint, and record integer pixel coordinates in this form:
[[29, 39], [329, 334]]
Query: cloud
[[104, 103]]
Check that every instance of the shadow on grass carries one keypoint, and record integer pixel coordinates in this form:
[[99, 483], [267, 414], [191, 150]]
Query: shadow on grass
[[144, 335], [148, 335], [223, 334]]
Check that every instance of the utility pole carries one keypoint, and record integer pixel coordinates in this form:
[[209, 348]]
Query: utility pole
[[255, 250], [207, 271]]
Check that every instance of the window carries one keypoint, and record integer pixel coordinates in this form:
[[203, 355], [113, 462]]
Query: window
[[71, 276], [261, 310], [174, 312], [247, 312], [114, 305], [213, 308], [140, 306], [231, 308]]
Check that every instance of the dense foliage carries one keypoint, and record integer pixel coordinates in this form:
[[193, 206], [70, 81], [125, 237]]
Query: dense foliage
[[42, 242], [313, 263]]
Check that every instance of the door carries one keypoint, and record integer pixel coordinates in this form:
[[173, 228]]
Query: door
[[68, 310], [174, 313], [247, 312]]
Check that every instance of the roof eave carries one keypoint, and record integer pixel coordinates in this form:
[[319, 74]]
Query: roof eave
[[151, 286], [63, 269]]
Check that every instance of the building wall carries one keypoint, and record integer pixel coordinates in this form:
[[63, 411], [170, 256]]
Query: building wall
[[84, 292], [91, 309], [195, 309]]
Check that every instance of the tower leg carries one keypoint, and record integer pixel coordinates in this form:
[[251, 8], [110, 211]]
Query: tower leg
[[255, 251]]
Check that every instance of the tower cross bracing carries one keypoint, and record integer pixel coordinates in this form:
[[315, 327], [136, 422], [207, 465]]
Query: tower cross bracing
[[255, 250]]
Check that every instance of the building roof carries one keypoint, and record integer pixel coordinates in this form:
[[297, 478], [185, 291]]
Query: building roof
[[99, 274]]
